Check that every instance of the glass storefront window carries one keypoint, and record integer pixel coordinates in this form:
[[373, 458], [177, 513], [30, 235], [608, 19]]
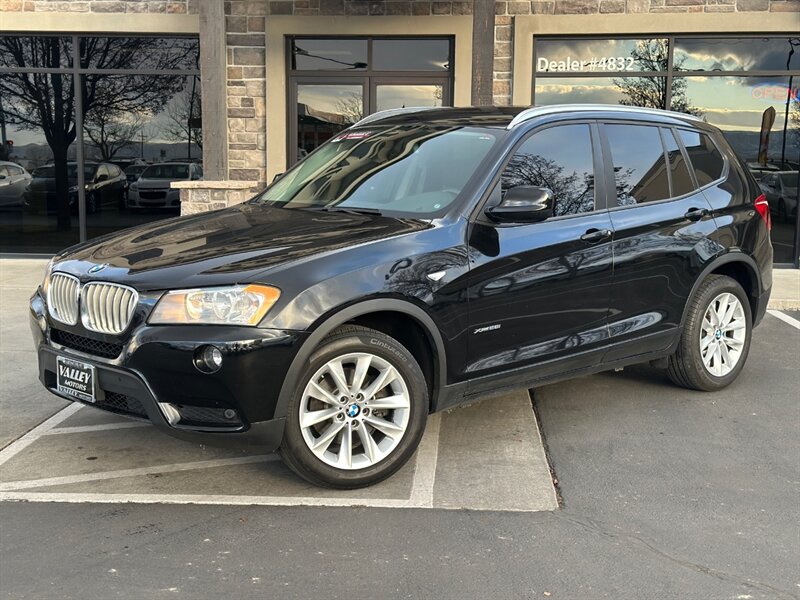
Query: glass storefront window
[[139, 53], [323, 110], [411, 55], [737, 54], [329, 54], [400, 96], [145, 111], [635, 91], [38, 210], [748, 86], [601, 55]]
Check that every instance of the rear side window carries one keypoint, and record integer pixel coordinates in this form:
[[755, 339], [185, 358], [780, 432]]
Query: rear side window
[[704, 156], [559, 158], [678, 170], [640, 170]]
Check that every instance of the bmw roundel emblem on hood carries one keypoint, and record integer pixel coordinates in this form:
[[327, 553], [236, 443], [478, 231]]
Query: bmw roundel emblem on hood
[[96, 269]]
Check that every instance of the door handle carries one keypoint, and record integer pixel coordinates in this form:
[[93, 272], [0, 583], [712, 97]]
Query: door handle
[[695, 214], [593, 236]]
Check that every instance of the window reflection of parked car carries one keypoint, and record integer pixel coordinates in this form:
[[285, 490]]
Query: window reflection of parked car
[[105, 187], [13, 181], [781, 191], [152, 189], [125, 163], [133, 172], [758, 170]]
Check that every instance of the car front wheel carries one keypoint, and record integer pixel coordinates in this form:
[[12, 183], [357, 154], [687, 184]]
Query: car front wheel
[[359, 410], [716, 336]]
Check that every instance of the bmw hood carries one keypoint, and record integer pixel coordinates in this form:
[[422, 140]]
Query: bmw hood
[[223, 247]]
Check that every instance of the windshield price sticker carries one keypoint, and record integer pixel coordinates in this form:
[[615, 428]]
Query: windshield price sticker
[[595, 63]]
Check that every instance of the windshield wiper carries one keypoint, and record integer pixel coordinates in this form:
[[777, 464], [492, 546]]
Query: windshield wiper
[[352, 210]]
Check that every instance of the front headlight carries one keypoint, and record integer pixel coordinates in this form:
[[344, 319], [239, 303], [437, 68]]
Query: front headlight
[[235, 305], [48, 271], [134, 187]]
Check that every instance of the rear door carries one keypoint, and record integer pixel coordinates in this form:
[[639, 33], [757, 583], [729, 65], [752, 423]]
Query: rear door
[[539, 292], [662, 223]]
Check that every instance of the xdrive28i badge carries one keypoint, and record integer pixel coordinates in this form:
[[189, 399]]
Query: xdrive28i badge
[[96, 269]]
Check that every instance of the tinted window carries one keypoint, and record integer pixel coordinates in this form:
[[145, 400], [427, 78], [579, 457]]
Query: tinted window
[[15, 170], [329, 55], [166, 172], [679, 172], [704, 156], [411, 55], [558, 158], [639, 167], [736, 54]]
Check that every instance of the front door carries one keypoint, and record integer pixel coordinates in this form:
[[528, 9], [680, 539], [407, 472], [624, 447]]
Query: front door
[[539, 292]]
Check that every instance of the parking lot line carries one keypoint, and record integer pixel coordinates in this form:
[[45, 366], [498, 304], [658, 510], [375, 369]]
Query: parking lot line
[[785, 318], [103, 475], [101, 427], [425, 471], [34, 434]]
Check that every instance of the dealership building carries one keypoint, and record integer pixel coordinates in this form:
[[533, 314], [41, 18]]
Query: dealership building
[[217, 98]]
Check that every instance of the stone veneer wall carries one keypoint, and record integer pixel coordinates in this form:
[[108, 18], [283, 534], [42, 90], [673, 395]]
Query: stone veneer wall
[[203, 196], [102, 6]]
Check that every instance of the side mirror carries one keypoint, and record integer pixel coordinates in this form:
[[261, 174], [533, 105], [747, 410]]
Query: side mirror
[[101, 178], [523, 204], [3, 177]]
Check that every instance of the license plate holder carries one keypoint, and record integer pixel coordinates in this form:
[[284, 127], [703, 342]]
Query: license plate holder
[[77, 379]]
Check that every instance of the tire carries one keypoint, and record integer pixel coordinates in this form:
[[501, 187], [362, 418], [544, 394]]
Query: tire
[[374, 455], [687, 366]]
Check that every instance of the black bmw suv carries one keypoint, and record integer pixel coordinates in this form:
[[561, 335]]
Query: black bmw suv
[[416, 261]]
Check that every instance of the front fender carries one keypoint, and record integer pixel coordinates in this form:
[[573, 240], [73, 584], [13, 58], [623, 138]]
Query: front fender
[[349, 313]]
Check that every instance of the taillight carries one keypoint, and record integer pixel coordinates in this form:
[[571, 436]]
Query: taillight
[[762, 206]]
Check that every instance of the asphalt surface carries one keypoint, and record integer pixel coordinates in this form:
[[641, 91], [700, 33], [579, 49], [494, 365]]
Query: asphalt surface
[[666, 494]]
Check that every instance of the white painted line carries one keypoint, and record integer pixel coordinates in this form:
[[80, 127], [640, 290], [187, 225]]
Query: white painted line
[[103, 475], [425, 470], [222, 500], [102, 427], [785, 318], [34, 434]]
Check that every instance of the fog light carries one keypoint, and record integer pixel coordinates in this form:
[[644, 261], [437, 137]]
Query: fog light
[[208, 359], [229, 413]]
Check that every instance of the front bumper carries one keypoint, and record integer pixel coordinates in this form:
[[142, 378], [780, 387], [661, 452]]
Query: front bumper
[[155, 369]]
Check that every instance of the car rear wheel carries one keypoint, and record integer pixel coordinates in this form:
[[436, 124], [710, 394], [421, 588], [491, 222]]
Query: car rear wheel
[[358, 413], [716, 336]]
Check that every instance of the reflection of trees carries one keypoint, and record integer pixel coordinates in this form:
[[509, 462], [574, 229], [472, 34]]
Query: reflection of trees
[[652, 92], [45, 101], [351, 108], [110, 132], [573, 192], [183, 115]]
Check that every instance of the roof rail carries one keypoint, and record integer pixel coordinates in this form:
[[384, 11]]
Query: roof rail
[[391, 112], [537, 111]]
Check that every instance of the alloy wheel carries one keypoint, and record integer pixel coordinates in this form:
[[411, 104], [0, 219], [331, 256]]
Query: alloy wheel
[[354, 411], [723, 334]]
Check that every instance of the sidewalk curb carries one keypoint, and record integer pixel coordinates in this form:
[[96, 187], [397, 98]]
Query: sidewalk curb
[[783, 304]]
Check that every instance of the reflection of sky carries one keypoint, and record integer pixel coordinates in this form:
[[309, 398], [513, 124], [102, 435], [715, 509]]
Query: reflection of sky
[[727, 102], [583, 50], [732, 54], [327, 98], [399, 96]]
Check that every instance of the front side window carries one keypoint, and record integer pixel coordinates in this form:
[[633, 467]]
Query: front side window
[[704, 156], [640, 171], [410, 170], [560, 159]]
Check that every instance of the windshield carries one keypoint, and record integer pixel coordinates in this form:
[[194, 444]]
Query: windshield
[[166, 172], [49, 171], [790, 179], [416, 170]]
